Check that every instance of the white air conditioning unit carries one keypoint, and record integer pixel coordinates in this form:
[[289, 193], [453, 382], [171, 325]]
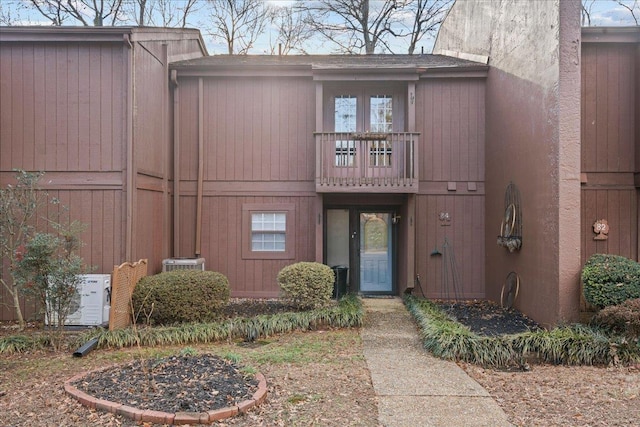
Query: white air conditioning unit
[[172, 264], [91, 303]]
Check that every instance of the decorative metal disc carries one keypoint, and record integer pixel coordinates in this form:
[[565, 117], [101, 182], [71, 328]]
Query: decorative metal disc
[[510, 290]]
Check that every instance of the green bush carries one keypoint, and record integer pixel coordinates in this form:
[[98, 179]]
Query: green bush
[[610, 280], [180, 296], [306, 285], [623, 319]]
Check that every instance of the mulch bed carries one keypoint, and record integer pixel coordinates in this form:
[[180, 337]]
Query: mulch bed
[[175, 384], [488, 318]]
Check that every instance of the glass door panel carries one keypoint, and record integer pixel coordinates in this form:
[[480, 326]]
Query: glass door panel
[[376, 274]]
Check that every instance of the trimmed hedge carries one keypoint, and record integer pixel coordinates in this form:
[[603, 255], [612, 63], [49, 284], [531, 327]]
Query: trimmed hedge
[[180, 296], [306, 285], [610, 280]]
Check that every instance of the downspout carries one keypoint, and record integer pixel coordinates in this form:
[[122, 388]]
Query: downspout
[[198, 249], [129, 138], [176, 164]]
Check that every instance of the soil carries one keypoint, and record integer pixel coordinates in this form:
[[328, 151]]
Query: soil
[[489, 318], [320, 378], [172, 384]]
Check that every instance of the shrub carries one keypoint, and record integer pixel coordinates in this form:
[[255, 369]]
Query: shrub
[[623, 319], [610, 280], [306, 285], [180, 296]]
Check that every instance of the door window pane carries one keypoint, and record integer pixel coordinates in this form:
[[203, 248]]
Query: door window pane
[[345, 113], [345, 121], [381, 115]]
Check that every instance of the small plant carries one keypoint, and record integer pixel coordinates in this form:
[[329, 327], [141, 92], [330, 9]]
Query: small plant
[[181, 296], [188, 351], [306, 285], [610, 280], [19, 206]]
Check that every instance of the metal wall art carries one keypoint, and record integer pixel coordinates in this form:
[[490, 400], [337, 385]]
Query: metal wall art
[[511, 227]]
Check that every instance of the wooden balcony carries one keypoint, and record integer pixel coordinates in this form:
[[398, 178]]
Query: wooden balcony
[[366, 162]]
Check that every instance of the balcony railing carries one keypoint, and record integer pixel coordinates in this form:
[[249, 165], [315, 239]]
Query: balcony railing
[[367, 162]]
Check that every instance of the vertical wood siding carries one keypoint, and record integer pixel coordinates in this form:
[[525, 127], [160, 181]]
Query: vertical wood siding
[[610, 79], [450, 118], [620, 209], [62, 107], [609, 115], [466, 244], [258, 146], [62, 111], [222, 232]]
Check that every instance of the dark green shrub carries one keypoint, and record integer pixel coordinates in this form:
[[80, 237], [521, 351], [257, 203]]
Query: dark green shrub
[[623, 319], [180, 296], [306, 285], [610, 280]]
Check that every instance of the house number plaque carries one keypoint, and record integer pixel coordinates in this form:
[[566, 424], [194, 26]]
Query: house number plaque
[[601, 228]]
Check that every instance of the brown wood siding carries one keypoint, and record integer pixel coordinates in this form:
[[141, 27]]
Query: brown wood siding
[[62, 107], [608, 107], [620, 209], [258, 148], [609, 147], [62, 110], [259, 129], [466, 244], [150, 116], [222, 230], [450, 119]]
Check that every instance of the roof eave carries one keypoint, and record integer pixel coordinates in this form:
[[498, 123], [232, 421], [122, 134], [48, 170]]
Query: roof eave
[[611, 34]]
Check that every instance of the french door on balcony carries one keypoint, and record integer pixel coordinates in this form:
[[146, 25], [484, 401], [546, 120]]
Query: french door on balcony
[[362, 118]]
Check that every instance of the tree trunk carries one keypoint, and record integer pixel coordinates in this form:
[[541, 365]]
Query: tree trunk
[[16, 306]]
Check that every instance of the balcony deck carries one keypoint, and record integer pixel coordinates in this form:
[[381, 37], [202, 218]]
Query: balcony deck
[[366, 162]]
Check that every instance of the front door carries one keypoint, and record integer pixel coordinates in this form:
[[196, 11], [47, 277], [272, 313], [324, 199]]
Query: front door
[[363, 241], [375, 252]]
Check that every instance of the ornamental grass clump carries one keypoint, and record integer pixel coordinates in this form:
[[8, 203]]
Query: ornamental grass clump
[[348, 313], [180, 296], [610, 280], [306, 285], [571, 345]]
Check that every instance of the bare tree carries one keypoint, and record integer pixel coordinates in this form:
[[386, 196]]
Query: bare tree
[[585, 12], [354, 25], [632, 7], [427, 15], [162, 13], [238, 22], [10, 12], [87, 12], [292, 30]]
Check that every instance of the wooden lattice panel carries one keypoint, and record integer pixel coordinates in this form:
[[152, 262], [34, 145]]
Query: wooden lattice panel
[[125, 277]]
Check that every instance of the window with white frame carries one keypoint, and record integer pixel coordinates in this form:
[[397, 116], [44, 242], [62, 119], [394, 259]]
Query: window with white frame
[[268, 231]]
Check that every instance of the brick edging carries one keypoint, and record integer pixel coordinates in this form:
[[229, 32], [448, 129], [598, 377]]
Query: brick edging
[[160, 417]]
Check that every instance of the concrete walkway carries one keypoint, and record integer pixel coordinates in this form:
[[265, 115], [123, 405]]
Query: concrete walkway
[[414, 388]]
